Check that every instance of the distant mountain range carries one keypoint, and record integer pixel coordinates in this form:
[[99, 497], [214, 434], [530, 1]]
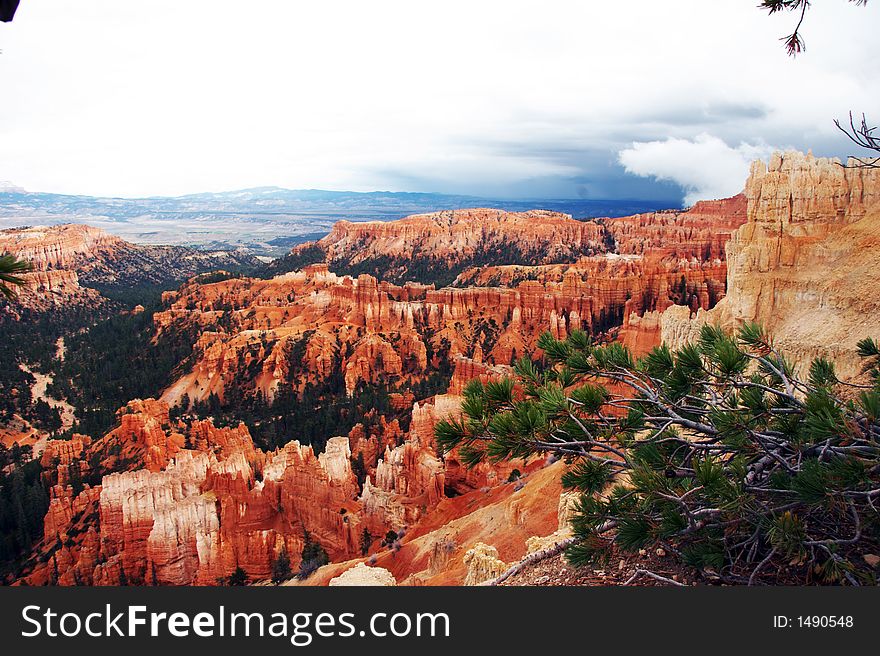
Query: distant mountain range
[[264, 220]]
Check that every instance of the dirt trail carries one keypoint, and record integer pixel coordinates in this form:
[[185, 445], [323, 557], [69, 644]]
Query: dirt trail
[[38, 391]]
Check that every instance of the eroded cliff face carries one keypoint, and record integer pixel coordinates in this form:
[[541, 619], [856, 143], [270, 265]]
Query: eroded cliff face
[[424, 246], [62, 247], [435, 551], [68, 259], [46, 290], [699, 233], [158, 501], [53, 253], [58, 255], [186, 503], [804, 263]]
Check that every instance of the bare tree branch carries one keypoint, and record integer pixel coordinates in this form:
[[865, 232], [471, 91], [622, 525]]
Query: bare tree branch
[[656, 577]]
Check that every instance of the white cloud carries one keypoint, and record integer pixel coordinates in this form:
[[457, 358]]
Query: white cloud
[[165, 97], [705, 168]]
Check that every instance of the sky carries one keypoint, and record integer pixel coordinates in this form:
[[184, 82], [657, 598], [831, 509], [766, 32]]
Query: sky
[[510, 99]]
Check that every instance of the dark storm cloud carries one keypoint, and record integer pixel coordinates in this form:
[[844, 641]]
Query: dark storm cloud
[[695, 116], [597, 174]]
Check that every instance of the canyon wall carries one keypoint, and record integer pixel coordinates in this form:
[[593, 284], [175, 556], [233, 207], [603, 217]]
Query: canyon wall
[[308, 325], [804, 263], [67, 259], [435, 248], [425, 245], [701, 232], [61, 247]]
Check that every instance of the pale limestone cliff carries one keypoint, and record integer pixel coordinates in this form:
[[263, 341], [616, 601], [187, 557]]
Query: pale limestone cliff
[[804, 263]]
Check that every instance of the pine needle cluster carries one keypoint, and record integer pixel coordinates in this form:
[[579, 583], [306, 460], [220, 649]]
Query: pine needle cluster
[[721, 452]]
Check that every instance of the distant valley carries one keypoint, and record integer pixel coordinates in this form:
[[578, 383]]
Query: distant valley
[[265, 221]]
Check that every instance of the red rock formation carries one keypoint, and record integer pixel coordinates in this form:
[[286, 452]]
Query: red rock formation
[[198, 501], [700, 232], [409, 479], [55, 254], [454, 237], [467, 370], [60, 247], [505, 516], [68, 258], [48, 290], [303, 326], [192, 515]]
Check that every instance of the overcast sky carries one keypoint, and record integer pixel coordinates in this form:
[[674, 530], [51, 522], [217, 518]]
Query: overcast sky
[[550, 98]]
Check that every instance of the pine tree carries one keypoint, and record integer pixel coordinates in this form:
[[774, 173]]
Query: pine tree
[[313, 556], [11, 269], [238, 578], [794, 42], [281, 570], [359, 469], [390, 538], [366, 542], [719, 453]]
